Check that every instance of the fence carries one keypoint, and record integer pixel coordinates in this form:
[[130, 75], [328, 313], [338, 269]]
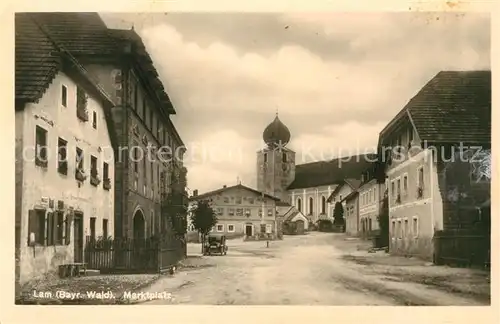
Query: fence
[[462, 247], [133, 255]]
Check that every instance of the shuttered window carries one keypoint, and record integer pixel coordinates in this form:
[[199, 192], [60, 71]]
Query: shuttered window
[[36, 225], [67, 230]]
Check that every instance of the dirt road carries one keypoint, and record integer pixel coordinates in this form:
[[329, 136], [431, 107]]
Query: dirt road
[[317, 269]]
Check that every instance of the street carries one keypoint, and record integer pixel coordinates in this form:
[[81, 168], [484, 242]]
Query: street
[[317, 269]]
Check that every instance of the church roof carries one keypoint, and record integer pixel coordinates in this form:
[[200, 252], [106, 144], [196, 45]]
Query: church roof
[[331, 172]]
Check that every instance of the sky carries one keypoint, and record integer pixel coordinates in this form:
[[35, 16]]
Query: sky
[[335, 79]]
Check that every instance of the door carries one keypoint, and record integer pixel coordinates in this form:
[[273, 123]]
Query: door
[[248, 230], [300, 227], [78, 237]]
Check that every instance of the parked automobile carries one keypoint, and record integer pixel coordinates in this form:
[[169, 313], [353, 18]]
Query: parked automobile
[[215, 243]]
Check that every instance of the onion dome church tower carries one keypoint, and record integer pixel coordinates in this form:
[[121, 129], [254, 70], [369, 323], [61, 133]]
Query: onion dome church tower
[[275, 163]]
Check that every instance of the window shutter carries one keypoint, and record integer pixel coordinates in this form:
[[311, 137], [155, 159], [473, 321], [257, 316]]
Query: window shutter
[[67, 232], [32, 224], [50, 229]]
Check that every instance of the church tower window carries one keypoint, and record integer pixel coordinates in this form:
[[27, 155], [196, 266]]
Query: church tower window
[[311, 206], [265, 157], [323, 204], [284, 157], [299, 204]]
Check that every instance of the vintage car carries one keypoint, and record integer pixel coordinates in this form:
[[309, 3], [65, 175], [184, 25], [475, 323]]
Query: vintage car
[[215, 243]]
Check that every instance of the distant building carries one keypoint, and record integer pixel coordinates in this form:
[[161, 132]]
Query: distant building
[[371, 193], [430, 189], [64, 155], [239, 212]]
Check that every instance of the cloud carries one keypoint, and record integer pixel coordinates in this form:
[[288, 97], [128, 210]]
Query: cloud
[[224, 94]]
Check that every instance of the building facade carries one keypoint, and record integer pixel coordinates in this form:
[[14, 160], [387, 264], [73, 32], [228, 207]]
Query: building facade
[[239, 211], [418, 148], [64, 156], [371, 194], [141, 117]]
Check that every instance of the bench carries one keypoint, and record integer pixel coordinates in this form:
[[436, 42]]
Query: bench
[[72, 269]]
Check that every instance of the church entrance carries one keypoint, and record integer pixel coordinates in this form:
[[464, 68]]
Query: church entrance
[[249, 230]]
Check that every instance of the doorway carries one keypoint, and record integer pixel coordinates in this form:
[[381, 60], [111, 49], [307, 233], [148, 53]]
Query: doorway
[[249, 230], [138, 225], [78, 237]]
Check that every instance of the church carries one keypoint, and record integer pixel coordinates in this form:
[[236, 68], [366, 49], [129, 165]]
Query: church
[[307, 186], [301, 190]]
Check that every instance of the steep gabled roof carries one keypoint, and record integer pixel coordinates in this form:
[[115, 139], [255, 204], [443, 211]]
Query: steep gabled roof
[[330, 172], [351, 196], [223, 189], [453, 107], [354, 184], [36, 60]]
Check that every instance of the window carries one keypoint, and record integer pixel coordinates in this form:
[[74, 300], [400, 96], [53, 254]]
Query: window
[[153, 223], [406, 225], [152, 171], [399, 187], [136, 158], [248, 212], [230, 228], [421, 177], [239, 212], [323, 204], [238, 200], [105, 228], [230, 212], [158, 176], [105, 171], [226, 199], [92, 228], [94, 119], [369, 224], [220, 211], [67, 230], [81, 104], [399, 229], [64, 96], [62, 156], [375, 194], [265, 157], [36, 226], [251, 200], [393, 191], [269, 212], [269, 228], [405, 184], [79, 158], [340, 198], [415, 226], [41, 147], [299, 204], [284, 157], [393, 232], [220, 228], [311, 205], [93, 166]]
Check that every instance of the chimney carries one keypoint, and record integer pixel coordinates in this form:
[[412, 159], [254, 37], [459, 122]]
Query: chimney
[[195, 192]]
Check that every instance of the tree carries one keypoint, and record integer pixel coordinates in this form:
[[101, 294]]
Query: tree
[[175, 203], [203, 218], [338, 214]]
